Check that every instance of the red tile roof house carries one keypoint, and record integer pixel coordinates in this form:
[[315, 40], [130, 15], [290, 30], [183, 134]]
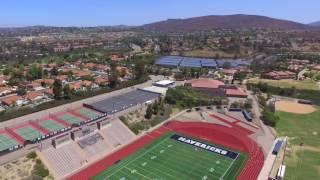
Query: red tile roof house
[[277, 75], [75, 86], [102, 81], [34, 96], [316, 67], [13, 100], [116, 58], [5, 91], [210, 86]]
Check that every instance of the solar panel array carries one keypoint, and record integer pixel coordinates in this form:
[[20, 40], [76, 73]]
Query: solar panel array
[[124, 101], [190, 62], [234, 62], [169, 60]]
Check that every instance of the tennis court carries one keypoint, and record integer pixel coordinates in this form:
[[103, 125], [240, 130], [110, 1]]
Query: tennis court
[[69, 118], [6, 142], [28, 133], [177, 157], [88, 112], [51, 125]]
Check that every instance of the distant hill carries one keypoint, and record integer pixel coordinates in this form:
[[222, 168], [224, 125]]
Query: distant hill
[[315, 24], [225, 22]]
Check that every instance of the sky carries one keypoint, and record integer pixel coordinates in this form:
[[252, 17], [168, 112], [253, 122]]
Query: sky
[[14, 13]]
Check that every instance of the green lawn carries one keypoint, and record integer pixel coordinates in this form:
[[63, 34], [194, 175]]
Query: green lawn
[[166, 158], [302, 162], [288, 83]]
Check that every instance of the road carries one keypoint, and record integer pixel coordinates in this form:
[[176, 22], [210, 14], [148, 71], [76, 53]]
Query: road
[[267, 135]]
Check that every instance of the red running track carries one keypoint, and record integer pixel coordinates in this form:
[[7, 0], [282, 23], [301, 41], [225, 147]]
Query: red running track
[[213, 133]]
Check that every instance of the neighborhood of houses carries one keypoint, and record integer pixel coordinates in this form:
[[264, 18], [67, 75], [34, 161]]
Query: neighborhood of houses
[[77, 75]]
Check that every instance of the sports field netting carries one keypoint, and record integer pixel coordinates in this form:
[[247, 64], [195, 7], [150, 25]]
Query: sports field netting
[[51, 125], [28, 133], [71, 119], [167, 158], [6, 142], [88, 113]]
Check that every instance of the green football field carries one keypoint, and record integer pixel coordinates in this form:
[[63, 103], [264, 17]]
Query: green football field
[[167, 158]]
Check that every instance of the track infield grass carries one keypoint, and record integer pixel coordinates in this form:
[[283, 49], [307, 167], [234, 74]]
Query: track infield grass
[[166, 158], [302, 162]]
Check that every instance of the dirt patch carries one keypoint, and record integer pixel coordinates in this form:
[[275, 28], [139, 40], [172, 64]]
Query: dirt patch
[[293, 107]]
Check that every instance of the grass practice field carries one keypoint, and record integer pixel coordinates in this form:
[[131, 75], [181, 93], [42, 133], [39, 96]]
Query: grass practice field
[[168, 158], [302, 162]]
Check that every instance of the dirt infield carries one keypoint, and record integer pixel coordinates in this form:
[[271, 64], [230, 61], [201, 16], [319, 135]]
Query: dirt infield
[[294, 107]]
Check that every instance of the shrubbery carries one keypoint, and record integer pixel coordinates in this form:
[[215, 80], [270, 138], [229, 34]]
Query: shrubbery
[[184, 97], [40, 169], [268, 117], [309, 94], [32, 155]]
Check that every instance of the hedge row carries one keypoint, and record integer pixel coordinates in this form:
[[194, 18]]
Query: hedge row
[[313, 95]]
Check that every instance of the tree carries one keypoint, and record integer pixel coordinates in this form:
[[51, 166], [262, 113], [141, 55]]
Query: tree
[[113, 76], [35, 72], [240, 76], [149, 112], [54, 71], [21, 91], [67, 92], [155, 108], [139, 70], [268, 117], [57, 89]]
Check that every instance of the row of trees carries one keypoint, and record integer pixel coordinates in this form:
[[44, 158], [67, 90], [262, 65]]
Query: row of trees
[[268, 116], [184, 97]]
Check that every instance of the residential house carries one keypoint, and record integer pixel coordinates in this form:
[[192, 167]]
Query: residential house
[[102, 81], [76, 86], [4, 90], [277, 75], [13, 100], [116, 57], [34, 96]]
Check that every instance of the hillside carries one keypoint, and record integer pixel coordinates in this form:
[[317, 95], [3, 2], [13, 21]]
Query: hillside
[[316, 24], [225, 22]]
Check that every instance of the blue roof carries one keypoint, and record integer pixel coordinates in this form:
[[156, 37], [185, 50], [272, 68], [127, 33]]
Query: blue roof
[[186, 62], [169, 60]]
